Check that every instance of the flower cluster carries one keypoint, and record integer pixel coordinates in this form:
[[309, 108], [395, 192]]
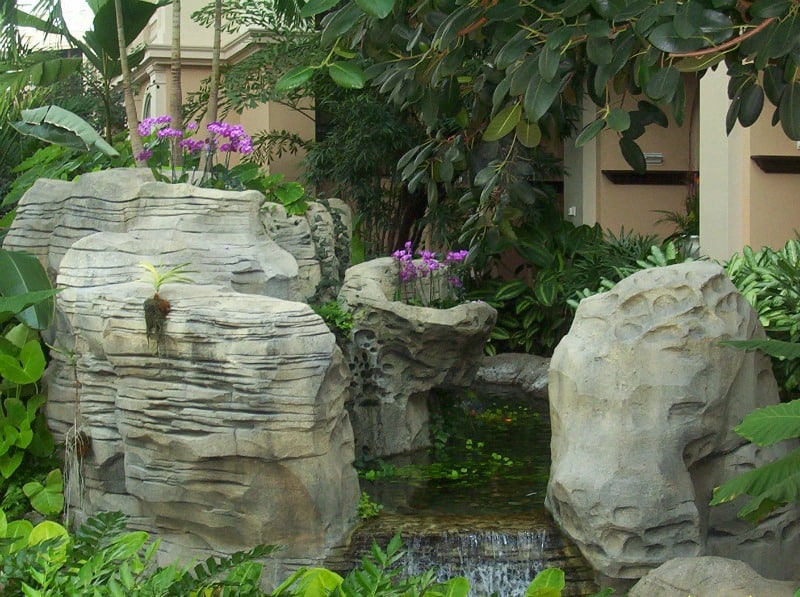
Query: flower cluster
[[159, 139], [417, 279]]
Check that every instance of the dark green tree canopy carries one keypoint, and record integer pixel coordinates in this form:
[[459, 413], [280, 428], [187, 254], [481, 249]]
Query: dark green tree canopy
[[492, 79]]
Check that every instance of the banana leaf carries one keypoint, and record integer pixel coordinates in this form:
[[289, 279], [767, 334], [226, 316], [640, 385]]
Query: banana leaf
[[24, 282], [62, 127]]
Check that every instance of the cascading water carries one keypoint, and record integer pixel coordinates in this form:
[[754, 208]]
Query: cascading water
[[496, 562], [473, 506]]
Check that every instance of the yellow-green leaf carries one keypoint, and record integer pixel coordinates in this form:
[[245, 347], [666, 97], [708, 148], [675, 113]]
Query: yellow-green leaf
[[503, 123], [347, 74], [529, 133]]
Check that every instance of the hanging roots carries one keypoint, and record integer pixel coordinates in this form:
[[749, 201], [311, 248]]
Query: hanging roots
[[155, 317]]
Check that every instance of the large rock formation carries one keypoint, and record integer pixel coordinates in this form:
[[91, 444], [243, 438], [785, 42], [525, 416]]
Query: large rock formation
[[643, 400], [399, 352], [229, 429]]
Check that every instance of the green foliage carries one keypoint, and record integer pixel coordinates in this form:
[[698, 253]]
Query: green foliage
[[103, 559], [60, 163], [337, 319], [26, 304], [770, 281], [562, 263], [772, 485], [367, 508], [492, 81], [53, 124]]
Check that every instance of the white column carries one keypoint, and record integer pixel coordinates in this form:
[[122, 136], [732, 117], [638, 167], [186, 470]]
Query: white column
[[580, 180], [724, 172]]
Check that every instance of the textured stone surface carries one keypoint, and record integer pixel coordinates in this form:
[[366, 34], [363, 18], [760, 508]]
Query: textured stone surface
[[643, 400], [231, 429], [399, 352], [709, 577]]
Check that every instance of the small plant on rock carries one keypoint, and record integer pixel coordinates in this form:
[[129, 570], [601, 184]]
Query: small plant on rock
[[156, 308]]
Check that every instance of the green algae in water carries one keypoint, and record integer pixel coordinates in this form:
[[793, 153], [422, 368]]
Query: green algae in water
[[491, 455]]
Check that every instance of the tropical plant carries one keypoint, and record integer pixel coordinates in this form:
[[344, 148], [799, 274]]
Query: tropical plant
[[102, 558], [770, 281], [337, 319], [561, 264], [776, 484], [26, 306]]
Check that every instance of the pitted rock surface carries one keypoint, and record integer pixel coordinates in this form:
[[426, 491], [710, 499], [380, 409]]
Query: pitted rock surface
[[643, 402], [230, 430], [399, 352]]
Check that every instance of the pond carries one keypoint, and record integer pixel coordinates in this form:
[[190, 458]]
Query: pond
[[490, 455], [473, 504]]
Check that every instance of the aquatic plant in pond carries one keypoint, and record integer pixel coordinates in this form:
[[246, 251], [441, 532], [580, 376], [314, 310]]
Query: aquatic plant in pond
[[426, 280]]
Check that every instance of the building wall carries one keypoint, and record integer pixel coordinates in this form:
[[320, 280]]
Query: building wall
[[774, 208], [630, 207]]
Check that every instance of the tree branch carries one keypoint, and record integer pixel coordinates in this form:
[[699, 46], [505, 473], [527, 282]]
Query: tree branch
[[728, 44]]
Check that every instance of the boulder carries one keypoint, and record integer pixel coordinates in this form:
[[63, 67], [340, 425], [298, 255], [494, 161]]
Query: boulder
[[399, 352], [643, 402], [228, 429], [709, 576]]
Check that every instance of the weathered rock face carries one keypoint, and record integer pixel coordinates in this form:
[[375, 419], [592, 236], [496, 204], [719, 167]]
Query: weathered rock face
[[709, 575], [229, 430], [643, 401], [399, 352]]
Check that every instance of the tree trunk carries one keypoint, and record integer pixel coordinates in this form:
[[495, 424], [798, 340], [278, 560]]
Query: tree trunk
[[176, 93], [127, 90], [213, 88]]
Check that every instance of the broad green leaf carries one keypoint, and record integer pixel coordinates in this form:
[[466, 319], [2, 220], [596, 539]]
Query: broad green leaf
[[12, 305], [54, 124], [376, 8], [618, 120], [663, 84], [547, 583], [789, 111], [339, 23], [21, 274], [752, 104], [503, 123], [773, 348], [50, 530], [539, 96], [529, 133], [347, 74], [589, 132], [20, 530], [315, 7], [598, 50], [665, 38], [633, 155], [771, 424], [548, 63], [294, 78], [47, 499], [10, 463], [27, 367]]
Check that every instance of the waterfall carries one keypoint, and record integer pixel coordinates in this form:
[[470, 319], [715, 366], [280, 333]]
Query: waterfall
[[497, 555]]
